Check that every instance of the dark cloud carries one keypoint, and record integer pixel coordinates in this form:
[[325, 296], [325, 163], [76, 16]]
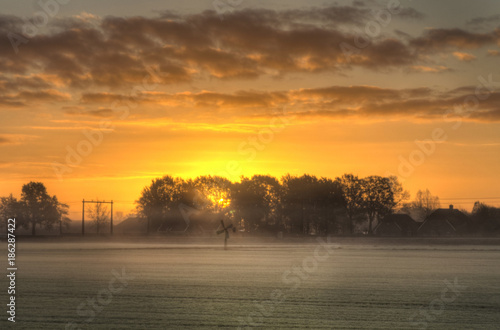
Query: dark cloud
[[239, 99], [48, 95], [367, 102], [362, 102], [116, 51], [435, 40], [9, 23], [479, 21], [12, 84], [101, 98], [85, 53], [373, 102], [409, 13], [486, 116]]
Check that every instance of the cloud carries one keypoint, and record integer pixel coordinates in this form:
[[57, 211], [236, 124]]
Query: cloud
[[435, 40], [333, 102], [485, 20], [486, 116], [84, 56], [465, 57], [409, 13], [9, 83], [102, 97], [84, 50], [492, 52], [99, 113], [46, 95], [429, 69]]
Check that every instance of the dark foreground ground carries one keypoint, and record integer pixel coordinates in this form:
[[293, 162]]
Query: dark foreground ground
[[350, 283]]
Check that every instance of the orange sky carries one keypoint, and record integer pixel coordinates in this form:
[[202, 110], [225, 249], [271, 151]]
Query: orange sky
[[95, 106]]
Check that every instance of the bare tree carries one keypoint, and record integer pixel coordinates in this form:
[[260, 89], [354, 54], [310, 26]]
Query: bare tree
[[99, 214], [424, 204]]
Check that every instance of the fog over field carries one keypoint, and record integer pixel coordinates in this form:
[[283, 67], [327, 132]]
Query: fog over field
[[315, 285]]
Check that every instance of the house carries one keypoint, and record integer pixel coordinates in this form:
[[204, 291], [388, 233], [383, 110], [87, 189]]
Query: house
[[445, 222], [396, 225]]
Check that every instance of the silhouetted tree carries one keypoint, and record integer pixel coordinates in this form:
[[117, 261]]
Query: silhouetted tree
[[298, 204], [256, 202], [39, 208], [214, 193], [352, 193], [328, 195], [10, 207], [485, 219], [35, 207], [159, 198], [377, 198], [399, 194], [99, 214], [302, 200]]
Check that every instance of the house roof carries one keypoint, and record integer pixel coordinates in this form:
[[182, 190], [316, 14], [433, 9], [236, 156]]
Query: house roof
[[402, 221], [453, 217]]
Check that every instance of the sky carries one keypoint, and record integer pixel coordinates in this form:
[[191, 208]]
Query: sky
[[97, 98]]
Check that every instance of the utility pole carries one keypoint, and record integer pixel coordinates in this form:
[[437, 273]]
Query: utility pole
[[95, 202], [111, 229], [83, 217]]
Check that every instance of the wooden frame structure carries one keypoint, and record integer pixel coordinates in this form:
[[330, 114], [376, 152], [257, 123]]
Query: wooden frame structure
[[96, 202]]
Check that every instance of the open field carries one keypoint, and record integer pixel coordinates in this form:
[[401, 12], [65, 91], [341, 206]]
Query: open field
[[343, 285]]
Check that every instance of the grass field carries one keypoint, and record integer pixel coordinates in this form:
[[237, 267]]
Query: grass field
[[119, 285]]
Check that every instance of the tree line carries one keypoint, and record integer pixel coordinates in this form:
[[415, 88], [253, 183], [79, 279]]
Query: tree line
[[299, 205], [294, 204], [35, 207]]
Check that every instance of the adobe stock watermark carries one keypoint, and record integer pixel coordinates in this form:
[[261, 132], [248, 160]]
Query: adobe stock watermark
[[92, 307], [39, 20], [250, 147], [225, 6], [372, 29], [94, 137], [293, 278], [426, 148], [437, 306], [199, 203]]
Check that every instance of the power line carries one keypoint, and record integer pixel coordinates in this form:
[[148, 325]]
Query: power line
[[468, 198]]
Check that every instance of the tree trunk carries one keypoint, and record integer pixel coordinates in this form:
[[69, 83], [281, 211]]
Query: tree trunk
[[33, 226]]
